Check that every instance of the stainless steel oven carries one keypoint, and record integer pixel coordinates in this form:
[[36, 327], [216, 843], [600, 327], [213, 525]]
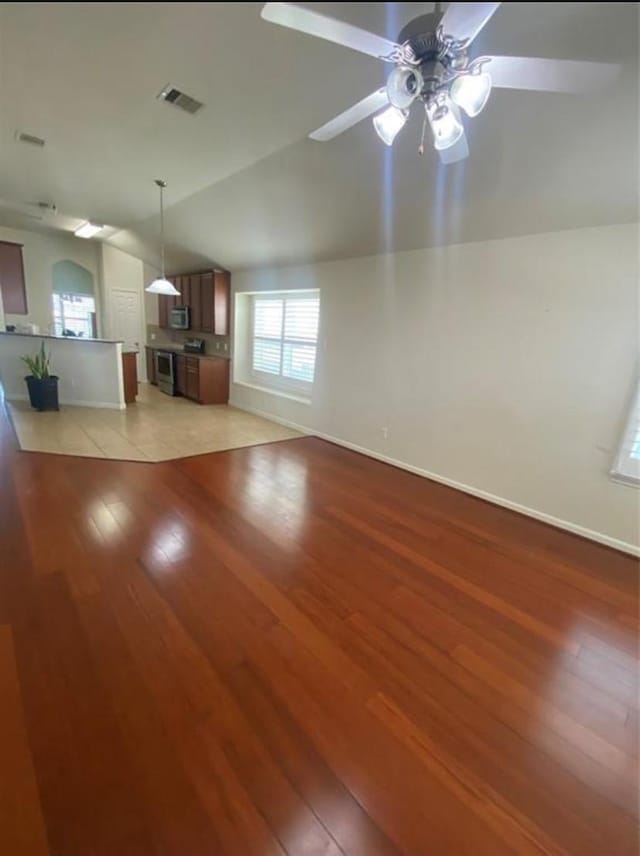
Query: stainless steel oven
[[166, 371], [179, 318]]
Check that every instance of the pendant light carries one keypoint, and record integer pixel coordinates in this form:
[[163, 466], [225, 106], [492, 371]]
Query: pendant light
[[162, 285]]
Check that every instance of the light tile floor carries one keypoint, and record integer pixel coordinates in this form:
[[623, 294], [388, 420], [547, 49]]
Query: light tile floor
[[156, 428]]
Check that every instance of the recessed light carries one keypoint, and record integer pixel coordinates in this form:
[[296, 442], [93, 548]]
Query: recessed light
[[88, 230]]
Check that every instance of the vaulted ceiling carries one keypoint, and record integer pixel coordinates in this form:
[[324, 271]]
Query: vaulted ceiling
[[246, 187]]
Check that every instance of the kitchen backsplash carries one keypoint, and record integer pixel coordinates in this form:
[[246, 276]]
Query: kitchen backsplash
[[163, 336]]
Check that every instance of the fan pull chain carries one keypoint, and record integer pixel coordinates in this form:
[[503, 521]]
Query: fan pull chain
[[424, 131]]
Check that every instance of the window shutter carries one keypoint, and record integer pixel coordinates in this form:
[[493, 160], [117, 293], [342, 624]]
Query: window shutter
[[285, 332]]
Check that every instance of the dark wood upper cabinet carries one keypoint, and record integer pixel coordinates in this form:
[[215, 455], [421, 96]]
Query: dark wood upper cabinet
[[14, 294], [185, 291], [221, 300], [163, 311], [196, 301], [206, 297]]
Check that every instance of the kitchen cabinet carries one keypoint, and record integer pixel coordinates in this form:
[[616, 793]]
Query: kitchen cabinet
[[208, 296], [151, 365], [163, 311], [221, 301], [130, 376], [181, 374], [193, 378], [195, 296]]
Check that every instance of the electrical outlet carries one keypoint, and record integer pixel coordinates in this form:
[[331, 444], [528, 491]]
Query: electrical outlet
[[153, 337], [385, 433], [217, 346], [226, 347]]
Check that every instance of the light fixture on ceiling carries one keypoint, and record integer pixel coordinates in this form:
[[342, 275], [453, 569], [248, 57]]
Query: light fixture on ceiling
[[389, 123], [433, 60], [162, 285], [88, 230], [404, 84], [447, 128], [471, 92]]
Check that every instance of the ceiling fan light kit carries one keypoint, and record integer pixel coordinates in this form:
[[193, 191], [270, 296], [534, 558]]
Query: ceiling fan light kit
[[446, 126], [389, 123], [432, 64]]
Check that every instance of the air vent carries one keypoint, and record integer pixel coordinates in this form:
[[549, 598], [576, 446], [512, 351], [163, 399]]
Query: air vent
[[179, 99], [30, 139]]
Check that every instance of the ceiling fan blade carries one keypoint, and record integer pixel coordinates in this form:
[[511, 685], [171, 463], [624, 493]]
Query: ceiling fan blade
[[463, 21], [550, 75], [371, 104], [339, 32], [457, 152]]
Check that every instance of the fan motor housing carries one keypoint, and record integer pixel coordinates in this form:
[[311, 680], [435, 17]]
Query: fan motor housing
[[420, 36]]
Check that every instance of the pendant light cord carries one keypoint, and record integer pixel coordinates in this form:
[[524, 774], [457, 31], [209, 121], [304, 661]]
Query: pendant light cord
[[161, 184], [162, 230]]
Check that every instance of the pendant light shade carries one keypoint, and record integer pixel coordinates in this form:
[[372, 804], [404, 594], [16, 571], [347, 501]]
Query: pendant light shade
[[162, 285]]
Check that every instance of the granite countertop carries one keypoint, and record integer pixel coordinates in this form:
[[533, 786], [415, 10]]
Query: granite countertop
[[61, 338], [178, 349]]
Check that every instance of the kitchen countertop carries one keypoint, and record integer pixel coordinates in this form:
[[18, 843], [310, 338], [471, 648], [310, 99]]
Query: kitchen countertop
[[178, 349], [61, 338]]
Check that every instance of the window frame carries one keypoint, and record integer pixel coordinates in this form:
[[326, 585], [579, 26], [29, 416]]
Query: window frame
[[626, 469], [279, 382]]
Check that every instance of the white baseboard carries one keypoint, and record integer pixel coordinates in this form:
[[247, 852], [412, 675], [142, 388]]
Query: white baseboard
[[108, 405], [558, 522]]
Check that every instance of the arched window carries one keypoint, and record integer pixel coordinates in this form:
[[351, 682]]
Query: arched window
[[74, 306]]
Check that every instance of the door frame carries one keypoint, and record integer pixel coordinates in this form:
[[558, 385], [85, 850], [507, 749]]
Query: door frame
[[141, 361]]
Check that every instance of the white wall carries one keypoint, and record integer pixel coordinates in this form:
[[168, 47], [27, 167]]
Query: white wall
[[504, 366], [40, 252]]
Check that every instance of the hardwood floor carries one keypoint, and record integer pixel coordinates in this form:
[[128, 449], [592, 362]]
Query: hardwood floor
[[295, 649]]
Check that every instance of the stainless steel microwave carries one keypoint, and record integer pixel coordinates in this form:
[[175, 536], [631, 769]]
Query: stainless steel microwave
[[179, 318]]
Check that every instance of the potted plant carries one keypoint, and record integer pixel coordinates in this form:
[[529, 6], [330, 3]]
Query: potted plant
[[42, 386]]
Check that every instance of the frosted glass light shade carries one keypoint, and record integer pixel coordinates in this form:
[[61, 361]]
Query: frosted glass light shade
[[162, 286], [471, 92], [403, 86], [389, 123], [447, 128]]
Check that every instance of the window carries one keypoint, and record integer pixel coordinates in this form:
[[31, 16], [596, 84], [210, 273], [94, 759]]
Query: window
[[74, 314], [627, 464], [285, 335]]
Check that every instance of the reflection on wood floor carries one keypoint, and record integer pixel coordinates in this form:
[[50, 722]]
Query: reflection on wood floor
[[292, 648], [156, 428]]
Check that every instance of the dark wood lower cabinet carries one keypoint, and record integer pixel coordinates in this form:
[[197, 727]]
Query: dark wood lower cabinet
[[193, 378], [130, 376], [181, 374], [151, 365], [202, 379]]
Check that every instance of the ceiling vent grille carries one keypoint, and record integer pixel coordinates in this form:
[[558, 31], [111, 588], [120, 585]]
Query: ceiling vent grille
[[180, 99], [29, 139]]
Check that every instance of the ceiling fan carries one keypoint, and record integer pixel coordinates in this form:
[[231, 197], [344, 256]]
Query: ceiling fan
[[433, 65]]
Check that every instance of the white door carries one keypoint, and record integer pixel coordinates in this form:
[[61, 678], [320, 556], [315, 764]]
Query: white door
[[127, 324]]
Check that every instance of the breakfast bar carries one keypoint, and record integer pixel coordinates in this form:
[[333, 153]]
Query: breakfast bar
[[90, 370]]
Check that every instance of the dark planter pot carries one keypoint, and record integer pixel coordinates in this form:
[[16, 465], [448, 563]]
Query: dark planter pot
[[43, 392]]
